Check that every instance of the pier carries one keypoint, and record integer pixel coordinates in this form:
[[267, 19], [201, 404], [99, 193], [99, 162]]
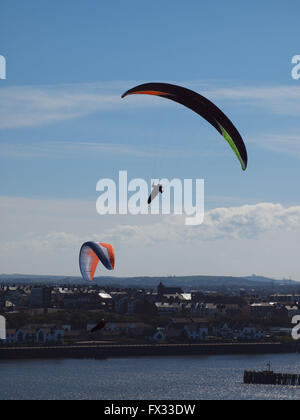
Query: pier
[[268, 377]]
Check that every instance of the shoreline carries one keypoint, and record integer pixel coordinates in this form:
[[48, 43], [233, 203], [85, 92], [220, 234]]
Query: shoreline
[[136, 350]]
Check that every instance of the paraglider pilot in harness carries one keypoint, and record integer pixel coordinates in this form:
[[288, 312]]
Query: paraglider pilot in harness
[[155, 190]]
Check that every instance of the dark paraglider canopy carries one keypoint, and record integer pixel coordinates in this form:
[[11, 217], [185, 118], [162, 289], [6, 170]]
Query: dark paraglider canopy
[[202, 106], [99, 326]]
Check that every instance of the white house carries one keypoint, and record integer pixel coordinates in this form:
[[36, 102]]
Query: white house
[[32, 335], [223, 330], [239, 332], [207, 310], [192, 331], [164, 308], [196, 331], [249, 333]]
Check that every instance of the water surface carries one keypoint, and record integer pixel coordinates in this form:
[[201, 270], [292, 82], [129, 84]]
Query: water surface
[[145, 378]]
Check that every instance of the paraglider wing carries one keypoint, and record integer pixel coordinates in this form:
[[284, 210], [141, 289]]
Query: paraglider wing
[[99, 326], [156, 189], [90, 255], [202, 106]]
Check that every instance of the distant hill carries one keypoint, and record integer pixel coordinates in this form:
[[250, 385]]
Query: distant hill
[[212, 283]]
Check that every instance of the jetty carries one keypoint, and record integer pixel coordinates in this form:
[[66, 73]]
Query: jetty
[[268, 377]]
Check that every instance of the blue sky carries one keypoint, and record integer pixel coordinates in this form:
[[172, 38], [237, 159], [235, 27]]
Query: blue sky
[[76, 41], [64, 126]]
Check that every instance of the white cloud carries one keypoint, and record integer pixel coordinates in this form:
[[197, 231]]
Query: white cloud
[[32, 106], [44, 237], [242, 222], [35, 243], [283, 100], [61, 149], [250, 220], [39, 105], [287, 144]]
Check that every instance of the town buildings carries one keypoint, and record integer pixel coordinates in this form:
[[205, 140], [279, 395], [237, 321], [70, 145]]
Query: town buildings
[[165, 314]]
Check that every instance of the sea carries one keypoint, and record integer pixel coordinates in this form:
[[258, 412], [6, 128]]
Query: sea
[[145, 378]]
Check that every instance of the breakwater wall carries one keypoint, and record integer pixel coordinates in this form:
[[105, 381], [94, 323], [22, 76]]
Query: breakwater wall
[[121, 350], [271, 378]]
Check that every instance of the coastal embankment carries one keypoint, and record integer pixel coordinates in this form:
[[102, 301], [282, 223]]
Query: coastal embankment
[[135, 350]]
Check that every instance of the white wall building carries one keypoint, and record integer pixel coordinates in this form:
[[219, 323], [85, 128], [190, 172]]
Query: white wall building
[[37, 336]]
